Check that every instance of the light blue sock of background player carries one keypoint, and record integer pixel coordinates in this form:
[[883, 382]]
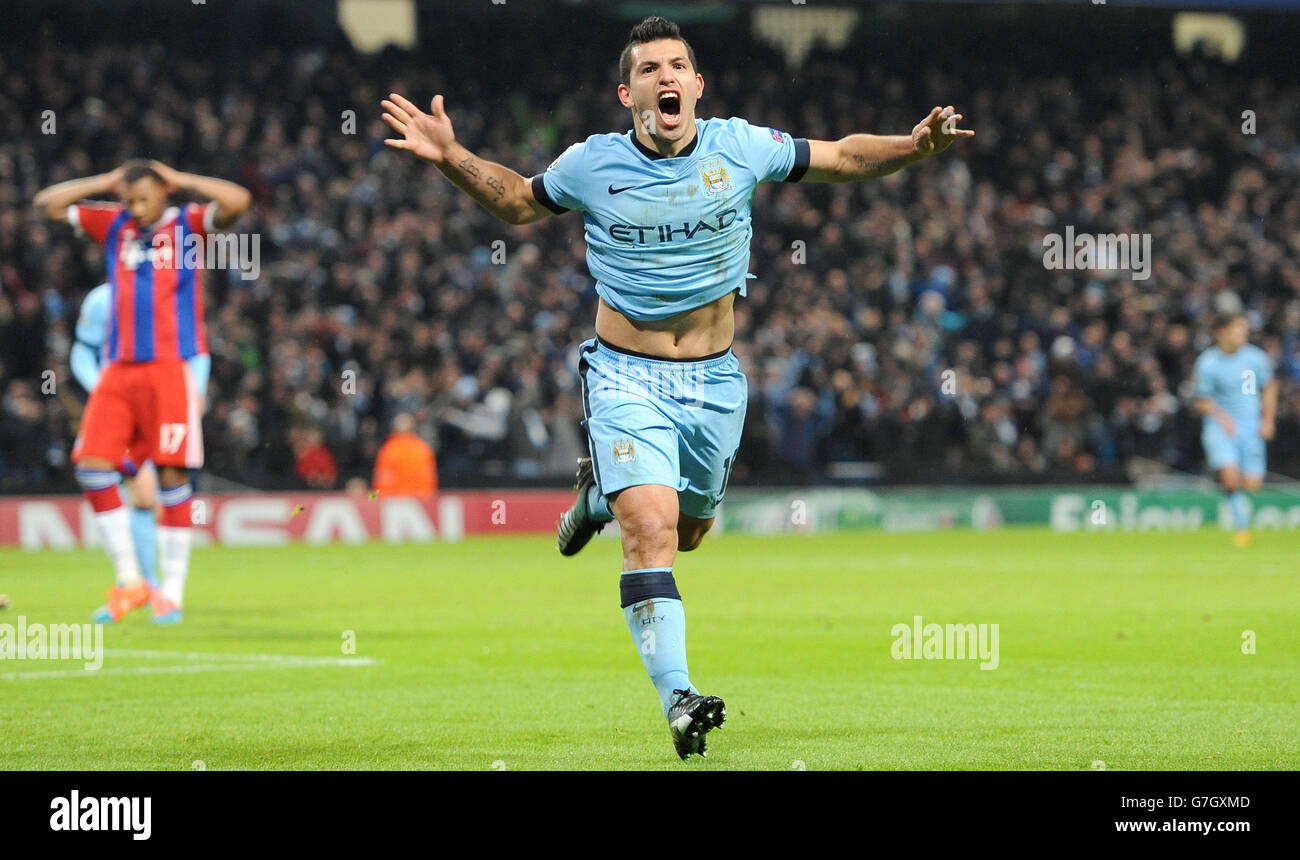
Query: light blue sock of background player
[[1240, 506], [144, 531]]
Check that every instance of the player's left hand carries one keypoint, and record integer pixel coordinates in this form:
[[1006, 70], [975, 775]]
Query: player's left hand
[[172, 178], [937, 131], [1267, 429]]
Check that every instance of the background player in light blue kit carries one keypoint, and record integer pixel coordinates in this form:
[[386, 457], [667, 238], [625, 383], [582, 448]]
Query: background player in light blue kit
[[667, 216], [1237, 394], [143, 486]]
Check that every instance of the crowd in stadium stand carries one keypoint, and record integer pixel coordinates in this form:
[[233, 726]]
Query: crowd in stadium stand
[[907, 322]]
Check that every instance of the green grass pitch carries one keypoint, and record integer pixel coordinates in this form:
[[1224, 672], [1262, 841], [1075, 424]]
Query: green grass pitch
[[1122, 649]]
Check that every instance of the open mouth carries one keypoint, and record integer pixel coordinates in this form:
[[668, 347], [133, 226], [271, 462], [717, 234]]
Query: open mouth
[[670, 108]]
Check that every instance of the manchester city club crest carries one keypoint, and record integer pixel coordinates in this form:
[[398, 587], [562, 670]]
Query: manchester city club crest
[[715, 176], [623, 452]]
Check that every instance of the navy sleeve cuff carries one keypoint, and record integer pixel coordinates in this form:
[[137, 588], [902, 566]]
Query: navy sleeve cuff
[[802, 155], [539, 192]]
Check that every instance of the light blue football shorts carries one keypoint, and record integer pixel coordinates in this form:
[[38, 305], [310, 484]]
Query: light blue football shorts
[[1246, 450], [662, 421]]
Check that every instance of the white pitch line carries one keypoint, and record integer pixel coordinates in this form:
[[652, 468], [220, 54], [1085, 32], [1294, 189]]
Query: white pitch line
[[250, 658], [260, 661]]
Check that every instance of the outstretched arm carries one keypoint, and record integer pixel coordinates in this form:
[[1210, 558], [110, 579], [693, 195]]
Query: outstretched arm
[[55, 200], [498, 189], [867, 156]]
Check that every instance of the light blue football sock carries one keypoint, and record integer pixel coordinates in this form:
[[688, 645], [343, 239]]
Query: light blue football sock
[[144, 531], [598, 505], [1240, 506], [653, 609]]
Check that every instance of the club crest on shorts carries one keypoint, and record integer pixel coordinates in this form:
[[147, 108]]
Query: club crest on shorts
[[623, 452], [715, 176]]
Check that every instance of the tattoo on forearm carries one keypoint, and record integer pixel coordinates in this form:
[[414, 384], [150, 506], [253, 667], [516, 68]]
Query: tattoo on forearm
[[471, 169], [878, 167]]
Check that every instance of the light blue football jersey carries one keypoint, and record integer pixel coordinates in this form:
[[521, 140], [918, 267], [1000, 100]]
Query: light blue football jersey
[[1235, 381], [665, 235], [91, 322], [93, 318]]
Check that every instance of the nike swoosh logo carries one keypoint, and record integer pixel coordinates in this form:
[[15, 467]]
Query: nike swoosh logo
[[613, 190]]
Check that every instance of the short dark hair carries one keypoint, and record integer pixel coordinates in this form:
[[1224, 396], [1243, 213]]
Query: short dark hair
[[137, 169], [1226, 318], [650, 30]]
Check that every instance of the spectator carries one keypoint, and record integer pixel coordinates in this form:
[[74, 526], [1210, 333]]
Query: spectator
[[313, 462], [405, 465], [382, 292]]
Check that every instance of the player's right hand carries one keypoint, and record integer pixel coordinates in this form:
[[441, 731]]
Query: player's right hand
[[427, 135], [1225, 421], [115, 180]]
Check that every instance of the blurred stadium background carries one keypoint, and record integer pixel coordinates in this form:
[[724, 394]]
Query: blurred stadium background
[[383, 290]]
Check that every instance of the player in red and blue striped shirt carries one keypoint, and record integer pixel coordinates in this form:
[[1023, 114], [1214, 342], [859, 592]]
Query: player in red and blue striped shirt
[[157, 309], [146, 405]]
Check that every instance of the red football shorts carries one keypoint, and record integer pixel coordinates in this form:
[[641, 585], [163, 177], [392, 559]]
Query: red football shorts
[[150, 409]]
